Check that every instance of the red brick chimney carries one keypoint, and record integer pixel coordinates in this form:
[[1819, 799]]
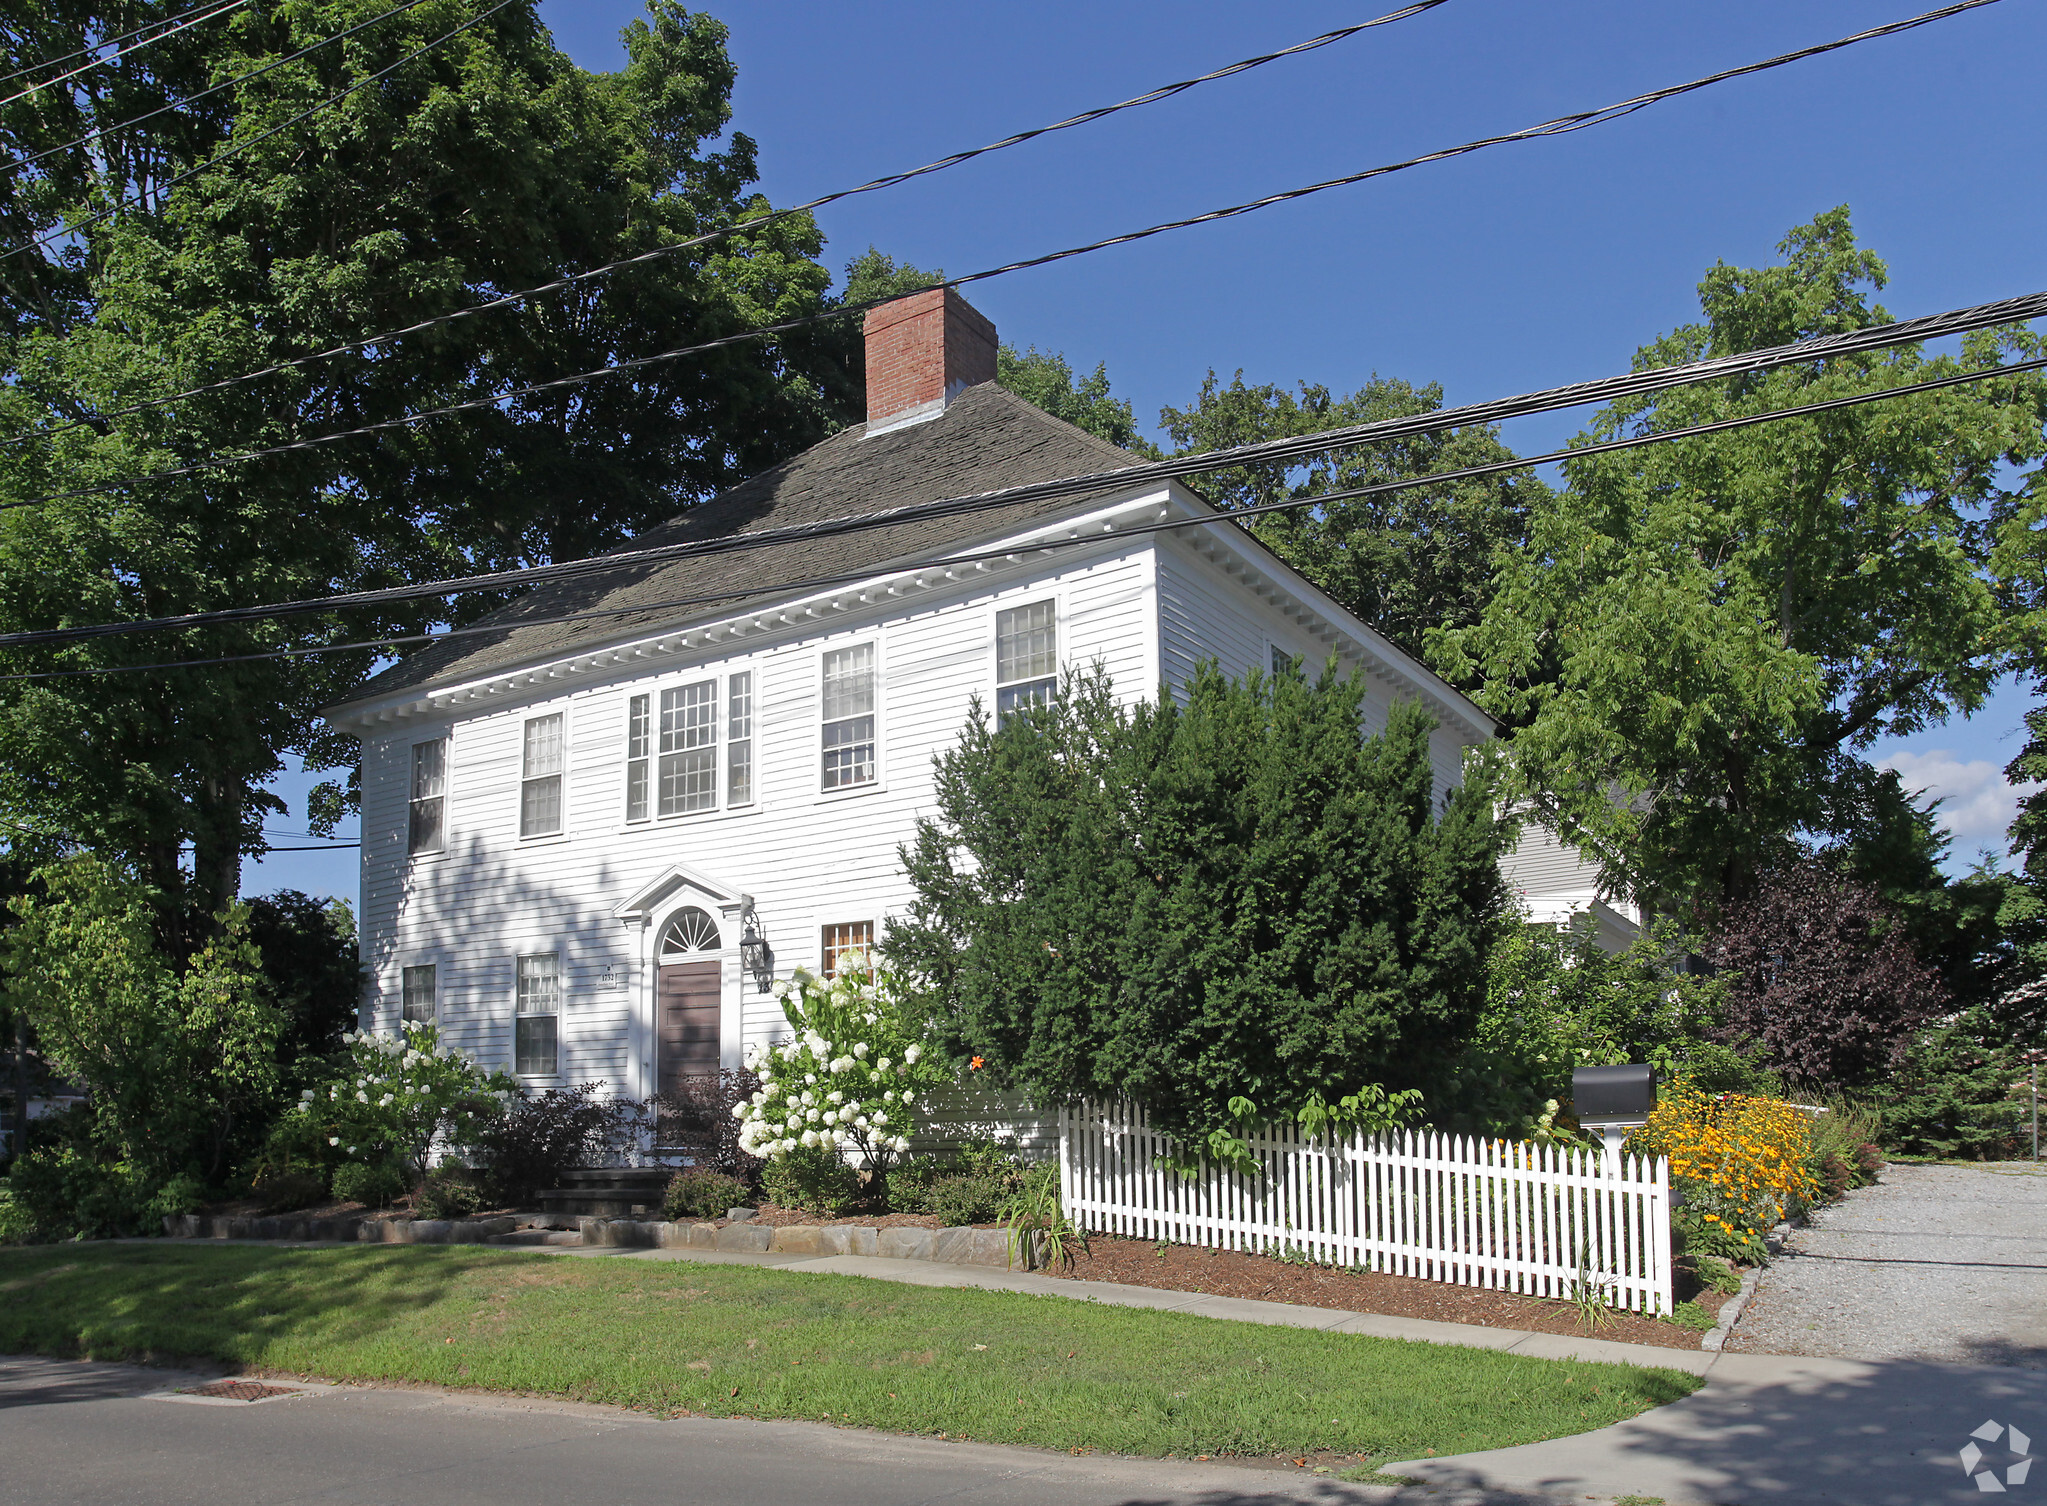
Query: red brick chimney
[[922, 352]]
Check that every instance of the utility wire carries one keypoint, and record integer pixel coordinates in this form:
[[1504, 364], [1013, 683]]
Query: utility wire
[[743, 227], [1562, 125], [173, 24], [1492, 411], [238, 143], [99, 133], [1043, 546], [126, 36]]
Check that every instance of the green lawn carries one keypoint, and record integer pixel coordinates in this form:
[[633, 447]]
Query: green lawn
[[743, 1341]]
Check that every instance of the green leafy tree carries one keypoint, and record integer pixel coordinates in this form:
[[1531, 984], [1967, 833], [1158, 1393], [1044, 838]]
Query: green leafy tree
[[1232, 909], [1408, 562], [1557, 1000], [1046, 379], [179, 1062], [313, 974], [491, 162], [1700, 641]]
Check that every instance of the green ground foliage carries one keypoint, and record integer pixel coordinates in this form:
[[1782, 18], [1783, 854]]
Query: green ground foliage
[[741, 1341]]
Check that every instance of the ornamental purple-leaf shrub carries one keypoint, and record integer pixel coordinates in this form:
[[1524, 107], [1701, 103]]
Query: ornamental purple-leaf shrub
[[1822, 981]]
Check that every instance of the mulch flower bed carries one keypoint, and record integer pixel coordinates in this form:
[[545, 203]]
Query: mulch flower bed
[[1231, 1273]]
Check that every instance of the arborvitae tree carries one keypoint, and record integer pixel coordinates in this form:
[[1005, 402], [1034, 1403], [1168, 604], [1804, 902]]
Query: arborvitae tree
[[1232, 905]]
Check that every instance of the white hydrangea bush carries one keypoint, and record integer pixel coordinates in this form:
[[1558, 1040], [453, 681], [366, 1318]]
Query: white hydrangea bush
[[399, 1091], [854, 1075]]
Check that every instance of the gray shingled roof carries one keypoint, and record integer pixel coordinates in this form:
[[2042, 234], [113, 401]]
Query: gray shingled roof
[[986, 439]]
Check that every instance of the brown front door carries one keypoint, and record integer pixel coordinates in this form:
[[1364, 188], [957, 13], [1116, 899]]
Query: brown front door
[[686, 1009]]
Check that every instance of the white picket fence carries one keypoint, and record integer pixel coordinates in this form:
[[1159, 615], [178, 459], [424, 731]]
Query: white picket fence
[[1511, 1215]]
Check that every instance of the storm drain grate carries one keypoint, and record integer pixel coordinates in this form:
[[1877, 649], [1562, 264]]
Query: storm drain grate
[[238, 1390]]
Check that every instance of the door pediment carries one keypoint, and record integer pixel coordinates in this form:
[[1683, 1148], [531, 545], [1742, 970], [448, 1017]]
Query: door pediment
[[656, 895]]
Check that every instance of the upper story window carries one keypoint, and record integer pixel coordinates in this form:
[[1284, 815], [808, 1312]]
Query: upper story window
[[849, 717], [428, 816], [689, 748], [1026, 658], [639, 737], [419, 992], [542, 760], [1284, 663], [739, 739]]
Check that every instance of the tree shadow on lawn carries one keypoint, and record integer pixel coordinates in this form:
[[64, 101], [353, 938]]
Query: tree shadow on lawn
[[168, 1304]]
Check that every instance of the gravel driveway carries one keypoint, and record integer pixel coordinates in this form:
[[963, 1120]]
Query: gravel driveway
[[1932, 1263]]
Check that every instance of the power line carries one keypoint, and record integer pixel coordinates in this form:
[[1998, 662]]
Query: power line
[[1053, 546], [742, 227], [173, 24], [240, 144], [101, 132], [1491, 411], [126, 36], [1562, 125]]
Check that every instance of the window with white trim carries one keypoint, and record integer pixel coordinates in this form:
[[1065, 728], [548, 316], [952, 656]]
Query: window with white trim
[[848, 737], [689, 749], [849, 944], [639, 734], [536, 1039], [418, 989], [541, 761], [1284, 663], [1026, 658], [739, 739], [427, 815]]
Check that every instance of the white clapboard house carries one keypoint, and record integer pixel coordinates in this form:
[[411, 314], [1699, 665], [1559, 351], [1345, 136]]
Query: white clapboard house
[[581, 840]]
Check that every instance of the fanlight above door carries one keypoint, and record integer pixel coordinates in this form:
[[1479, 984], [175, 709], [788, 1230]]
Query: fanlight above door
[[691, 931]]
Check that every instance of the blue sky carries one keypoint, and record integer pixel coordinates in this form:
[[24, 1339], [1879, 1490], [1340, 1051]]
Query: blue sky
[[1522, 267]]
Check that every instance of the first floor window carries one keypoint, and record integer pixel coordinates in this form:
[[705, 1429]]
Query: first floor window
[[428, 831], [739, 739], [542, 759], [689, 748], [638, 735], [849, 717], [419, 992], [1026, 658], [849, 945], [536, 1028]]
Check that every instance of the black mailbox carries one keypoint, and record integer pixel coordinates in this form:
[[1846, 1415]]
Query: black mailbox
[[1604, 1096]]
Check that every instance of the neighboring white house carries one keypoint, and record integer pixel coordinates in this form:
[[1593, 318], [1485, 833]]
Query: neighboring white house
[[569, 828]]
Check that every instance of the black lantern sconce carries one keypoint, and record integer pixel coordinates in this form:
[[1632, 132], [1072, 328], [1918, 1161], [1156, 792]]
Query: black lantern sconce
[[755, 955]]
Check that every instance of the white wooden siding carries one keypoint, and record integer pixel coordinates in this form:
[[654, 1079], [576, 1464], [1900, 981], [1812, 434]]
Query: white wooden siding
[[808, 858]]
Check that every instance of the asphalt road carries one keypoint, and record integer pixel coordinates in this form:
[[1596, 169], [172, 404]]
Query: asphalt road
[[110, 1435]]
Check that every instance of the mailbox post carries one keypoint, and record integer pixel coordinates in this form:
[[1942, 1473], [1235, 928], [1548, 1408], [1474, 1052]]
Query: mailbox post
[[1613, 1100]]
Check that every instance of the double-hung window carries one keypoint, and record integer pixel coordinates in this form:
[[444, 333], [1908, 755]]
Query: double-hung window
[[639, 737], [849, 717], [739, 739], [542, 760], [419, 992], [427, 820], [689, 748], [1026, 658], [1284, 663], [535, 1032]]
